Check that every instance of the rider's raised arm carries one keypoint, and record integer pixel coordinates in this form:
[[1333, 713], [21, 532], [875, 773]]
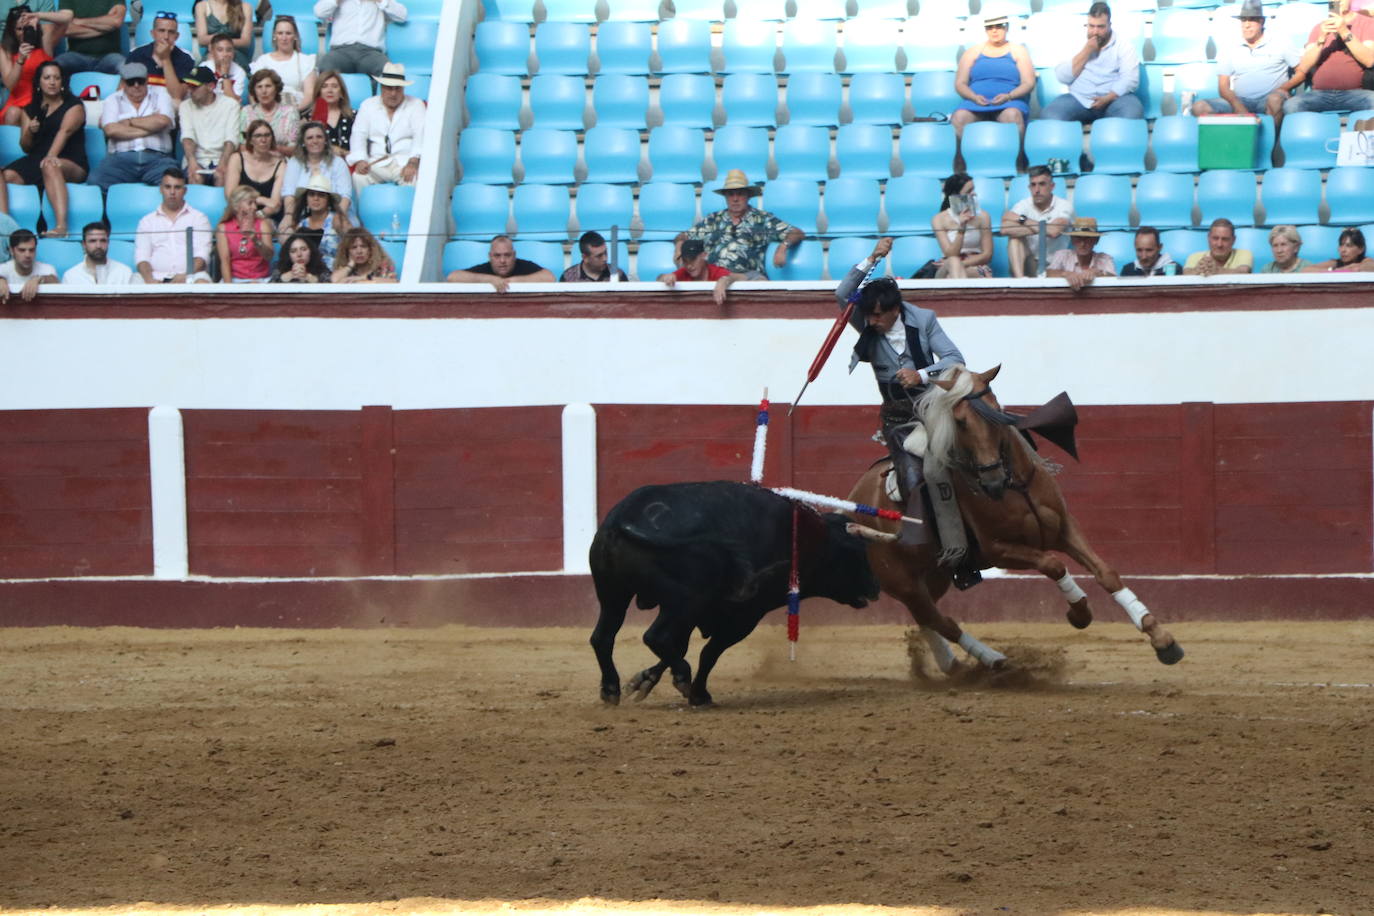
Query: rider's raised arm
[[856, 275]]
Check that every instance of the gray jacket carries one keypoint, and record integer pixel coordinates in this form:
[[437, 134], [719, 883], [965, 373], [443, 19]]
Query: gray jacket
[[929, 345]]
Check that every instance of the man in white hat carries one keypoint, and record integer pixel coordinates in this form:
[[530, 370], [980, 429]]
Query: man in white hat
[[737, 237], [357, 42], [1251, 70], [387, 133], [1081, 264]]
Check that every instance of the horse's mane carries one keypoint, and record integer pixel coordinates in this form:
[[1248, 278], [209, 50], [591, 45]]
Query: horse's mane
[[936, 410]]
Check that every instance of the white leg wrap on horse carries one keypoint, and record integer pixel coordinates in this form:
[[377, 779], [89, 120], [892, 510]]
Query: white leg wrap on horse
[[1072, 593], [939, 648], [979, 651], [1134, 607]]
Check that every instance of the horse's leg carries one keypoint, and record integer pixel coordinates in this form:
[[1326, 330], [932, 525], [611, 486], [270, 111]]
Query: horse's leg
[[1021, 556], [1076, 545], [939, 649], [920, 596]]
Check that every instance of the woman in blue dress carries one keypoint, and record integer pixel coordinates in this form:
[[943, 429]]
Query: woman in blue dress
[[995, 79]]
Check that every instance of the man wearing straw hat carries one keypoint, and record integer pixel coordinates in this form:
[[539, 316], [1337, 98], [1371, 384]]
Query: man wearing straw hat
[[737, 237], [1250, 71], [1080, 264], [387, 133]]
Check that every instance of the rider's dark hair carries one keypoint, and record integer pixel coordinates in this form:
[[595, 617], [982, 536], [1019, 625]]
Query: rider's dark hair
[[880, 295]]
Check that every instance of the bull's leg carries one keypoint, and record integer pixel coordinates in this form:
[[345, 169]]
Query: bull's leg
[[1076, 545], [667, 637], [643, 683], [613, 607], [710, 654], [1020, 556]]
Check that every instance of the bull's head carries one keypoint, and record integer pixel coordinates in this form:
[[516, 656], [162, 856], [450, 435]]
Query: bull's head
[[845, 575]]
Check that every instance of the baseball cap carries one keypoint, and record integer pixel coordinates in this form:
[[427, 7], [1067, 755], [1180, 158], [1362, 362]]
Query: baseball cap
[[201, 76], [692, 248]]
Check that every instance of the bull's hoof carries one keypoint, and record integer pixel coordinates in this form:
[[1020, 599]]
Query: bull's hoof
[[610, 695], [641, 685], [684, 687], [704, 699], [1080, 615], [1171, 654]]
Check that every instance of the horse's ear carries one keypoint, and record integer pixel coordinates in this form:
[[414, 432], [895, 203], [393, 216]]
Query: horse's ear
[[991, 374], [945, 383]]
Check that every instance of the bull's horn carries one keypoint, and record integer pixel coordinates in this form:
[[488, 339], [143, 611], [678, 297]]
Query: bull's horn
[[869, 534]]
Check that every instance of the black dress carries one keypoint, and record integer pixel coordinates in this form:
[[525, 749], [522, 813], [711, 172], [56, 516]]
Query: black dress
[[74, 152], [340, 134]]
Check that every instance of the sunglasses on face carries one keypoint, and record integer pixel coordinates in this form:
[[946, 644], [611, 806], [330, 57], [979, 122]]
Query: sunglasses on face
[[136, 81], [165, 14]]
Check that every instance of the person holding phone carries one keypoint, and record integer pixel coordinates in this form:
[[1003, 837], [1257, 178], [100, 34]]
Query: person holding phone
[[1339, 52], [25, 46], [963, 231]]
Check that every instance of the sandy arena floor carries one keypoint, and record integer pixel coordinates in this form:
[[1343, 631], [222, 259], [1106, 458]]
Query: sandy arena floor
[[463, 770]]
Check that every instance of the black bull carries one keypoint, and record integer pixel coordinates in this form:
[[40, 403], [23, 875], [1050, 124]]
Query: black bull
[[714, 557]]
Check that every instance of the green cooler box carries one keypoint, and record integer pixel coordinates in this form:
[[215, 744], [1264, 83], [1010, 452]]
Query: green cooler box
[[1227, 141]]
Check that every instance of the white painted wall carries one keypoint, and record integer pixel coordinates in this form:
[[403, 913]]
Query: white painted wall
[[318, 363]]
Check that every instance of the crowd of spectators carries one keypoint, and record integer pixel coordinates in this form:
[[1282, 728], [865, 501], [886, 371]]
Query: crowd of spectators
[[275, 131]]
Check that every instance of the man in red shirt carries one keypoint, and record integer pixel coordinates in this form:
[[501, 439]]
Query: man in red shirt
[[1339, 49], [696, 267]]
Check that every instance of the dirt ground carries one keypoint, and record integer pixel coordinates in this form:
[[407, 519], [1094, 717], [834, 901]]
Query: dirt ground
[[465, 770]]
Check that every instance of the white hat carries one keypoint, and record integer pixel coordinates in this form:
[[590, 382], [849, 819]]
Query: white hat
[[394, 75]]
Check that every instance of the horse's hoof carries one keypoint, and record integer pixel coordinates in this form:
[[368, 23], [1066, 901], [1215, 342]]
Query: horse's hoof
[[1079, 618], [611, 697], [1171, 654]]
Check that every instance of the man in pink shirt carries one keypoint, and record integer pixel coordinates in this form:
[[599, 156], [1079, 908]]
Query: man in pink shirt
[[696, 267], [1080, 264], [160, 247]]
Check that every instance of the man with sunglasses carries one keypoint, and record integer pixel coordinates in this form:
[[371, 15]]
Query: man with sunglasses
[[92, 37], [137, 121], [357, 42], [167, 64]]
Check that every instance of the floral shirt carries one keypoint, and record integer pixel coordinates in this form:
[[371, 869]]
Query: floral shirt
[[739, 247], [284, 121], [1068, 260]]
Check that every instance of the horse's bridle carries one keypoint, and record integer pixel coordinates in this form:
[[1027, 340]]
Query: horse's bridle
[[996, 417]]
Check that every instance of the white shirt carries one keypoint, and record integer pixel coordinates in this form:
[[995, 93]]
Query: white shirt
[[118, 108], [210, 127], [161, 240], [111, 273], [359, 22], [238, 78], [1115, 68], [10, 272], [372, 128], [292, 71], [1059, 209], [298, 176]]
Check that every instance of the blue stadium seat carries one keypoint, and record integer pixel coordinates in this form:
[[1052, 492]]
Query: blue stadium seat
[[62, 254], [911, 252], [870, 46], [701, 10], [487, 154], [548, 155], [852, 205], [462, 254], [990, 147], [775, 10], [569, 11], [412, 43], [1264, 142], [632, 11], [419, 85], [621, 100], [541, 211], [684, 46], [601, 206], [1305, 135], [10, 149], [805, 261], [126, 204], [735, 147], [309, 28], [1107, 198], [1319, 243], [1150, 90], [814, 98], [1347, 193], [299, 7], [360, 86], [1019, 189], [932, 92], [624, 47], [749, 46], [480, 211], [821, 9], [877, 98], [991, 191], [395, 249], [385, 208], [1165, 199], [687, 99], [493, 100], [1175, 144], [1291, 196], [108, 83], [665, 209], [802, 151], [557, 100], [560, 47], [712, 201], [1046, 140], [421, 9], [1118, 145], [1053, 35], [546, 254], [1228, 193], [677, 153], [1180, 35], [750, 99], [795, 200], [910, 201], [508, 10], [843, 253], [930, 52], [654, 259], [883, 9], [612, 155], [1198, 77], [24, 206], [926, 148], [84, 205], [864, 150], [1119, 246], [808, 45], [1182, 242], [1047, 88], [1255, 241]]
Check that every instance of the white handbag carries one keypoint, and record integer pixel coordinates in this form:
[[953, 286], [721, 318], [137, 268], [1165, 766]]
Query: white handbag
[[1356, 148]]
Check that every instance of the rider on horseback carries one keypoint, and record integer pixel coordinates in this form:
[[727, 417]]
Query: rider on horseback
[[906, 346]]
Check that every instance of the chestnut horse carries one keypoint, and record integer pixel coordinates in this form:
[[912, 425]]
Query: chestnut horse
[[1012, 504]]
